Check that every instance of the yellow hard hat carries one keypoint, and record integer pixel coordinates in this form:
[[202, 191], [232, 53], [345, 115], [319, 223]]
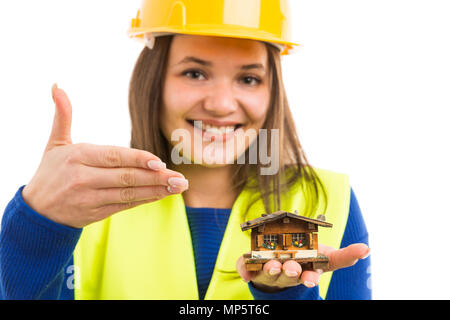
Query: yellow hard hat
[[264, 20]]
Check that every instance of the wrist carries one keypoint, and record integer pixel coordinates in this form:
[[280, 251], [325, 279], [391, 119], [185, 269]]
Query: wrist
[[27, 196], [265, 288], [40, 218]]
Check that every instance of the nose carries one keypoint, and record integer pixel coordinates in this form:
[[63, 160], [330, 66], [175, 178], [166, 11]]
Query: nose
[[221, 101]]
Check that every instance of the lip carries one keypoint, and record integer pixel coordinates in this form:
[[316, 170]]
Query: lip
[[211, 137], [214, 122]]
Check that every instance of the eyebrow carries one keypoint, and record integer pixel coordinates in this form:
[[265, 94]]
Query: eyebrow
[[209, 64]]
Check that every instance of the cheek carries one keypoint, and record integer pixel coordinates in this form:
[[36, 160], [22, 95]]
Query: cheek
[[256, 108], [177, 102], [171, 98], [177, 97], [174, 107]]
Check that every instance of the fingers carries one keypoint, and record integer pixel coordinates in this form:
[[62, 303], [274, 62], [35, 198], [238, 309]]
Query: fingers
[[100, 178], [241, 269], [290, 275], [266, 279], [345, 257], [104, 197], [270, 272], [310, 278], [115, 157], [62, 121], [275, 276], [113, 200]]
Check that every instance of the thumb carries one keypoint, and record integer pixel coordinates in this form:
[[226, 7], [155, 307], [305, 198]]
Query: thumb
[[242, 270], [62, 122]]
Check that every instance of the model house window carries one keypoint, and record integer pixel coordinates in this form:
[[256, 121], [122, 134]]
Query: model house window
[[298, 239], [270, 241]]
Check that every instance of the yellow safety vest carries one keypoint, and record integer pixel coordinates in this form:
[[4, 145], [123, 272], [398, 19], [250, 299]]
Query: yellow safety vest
[[146, 252]]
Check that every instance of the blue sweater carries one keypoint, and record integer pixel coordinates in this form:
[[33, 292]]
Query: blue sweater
[[36, 255]]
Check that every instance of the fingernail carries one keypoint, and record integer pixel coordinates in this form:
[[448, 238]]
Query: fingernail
[[172, 189], [274, 271], [309, 284], [367, 254], [178, 182], [156, 165], [290, 273], [54, 87]]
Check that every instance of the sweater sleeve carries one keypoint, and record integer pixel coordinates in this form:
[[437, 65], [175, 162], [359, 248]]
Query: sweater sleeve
[[351, 283], [35, 253]]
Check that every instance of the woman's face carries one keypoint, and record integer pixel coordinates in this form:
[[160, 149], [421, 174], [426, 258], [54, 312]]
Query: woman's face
[[216, 92]]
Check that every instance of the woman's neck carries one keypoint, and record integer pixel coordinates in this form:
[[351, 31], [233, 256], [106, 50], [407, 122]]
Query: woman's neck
[[208, 187]]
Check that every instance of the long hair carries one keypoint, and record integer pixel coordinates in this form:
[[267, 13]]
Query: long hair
[[145, 103]]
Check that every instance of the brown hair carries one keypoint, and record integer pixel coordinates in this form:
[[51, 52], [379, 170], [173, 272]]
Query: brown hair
[[145, 103]]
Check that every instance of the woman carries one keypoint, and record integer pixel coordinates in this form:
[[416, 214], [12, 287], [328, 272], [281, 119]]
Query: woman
[[161, 220]]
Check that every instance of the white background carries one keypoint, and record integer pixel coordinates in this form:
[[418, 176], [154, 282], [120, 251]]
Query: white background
[[369, 90]]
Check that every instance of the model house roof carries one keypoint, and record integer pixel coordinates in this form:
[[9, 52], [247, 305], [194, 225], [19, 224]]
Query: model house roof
[[265, 218]]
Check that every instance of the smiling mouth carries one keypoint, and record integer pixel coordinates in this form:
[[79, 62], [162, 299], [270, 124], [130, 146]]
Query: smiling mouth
[[212, 129]]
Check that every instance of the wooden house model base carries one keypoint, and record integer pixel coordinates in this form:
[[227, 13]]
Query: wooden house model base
[[256, 264]]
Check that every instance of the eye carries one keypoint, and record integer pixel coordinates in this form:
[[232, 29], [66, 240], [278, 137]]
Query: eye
[[193, 74], [251, 80]]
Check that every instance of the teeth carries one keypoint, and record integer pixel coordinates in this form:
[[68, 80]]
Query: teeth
[[197, 124], [219, 130], [214, 129]]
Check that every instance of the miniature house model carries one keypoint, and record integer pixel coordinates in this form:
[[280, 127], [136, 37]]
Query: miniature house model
[[284, 236]]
